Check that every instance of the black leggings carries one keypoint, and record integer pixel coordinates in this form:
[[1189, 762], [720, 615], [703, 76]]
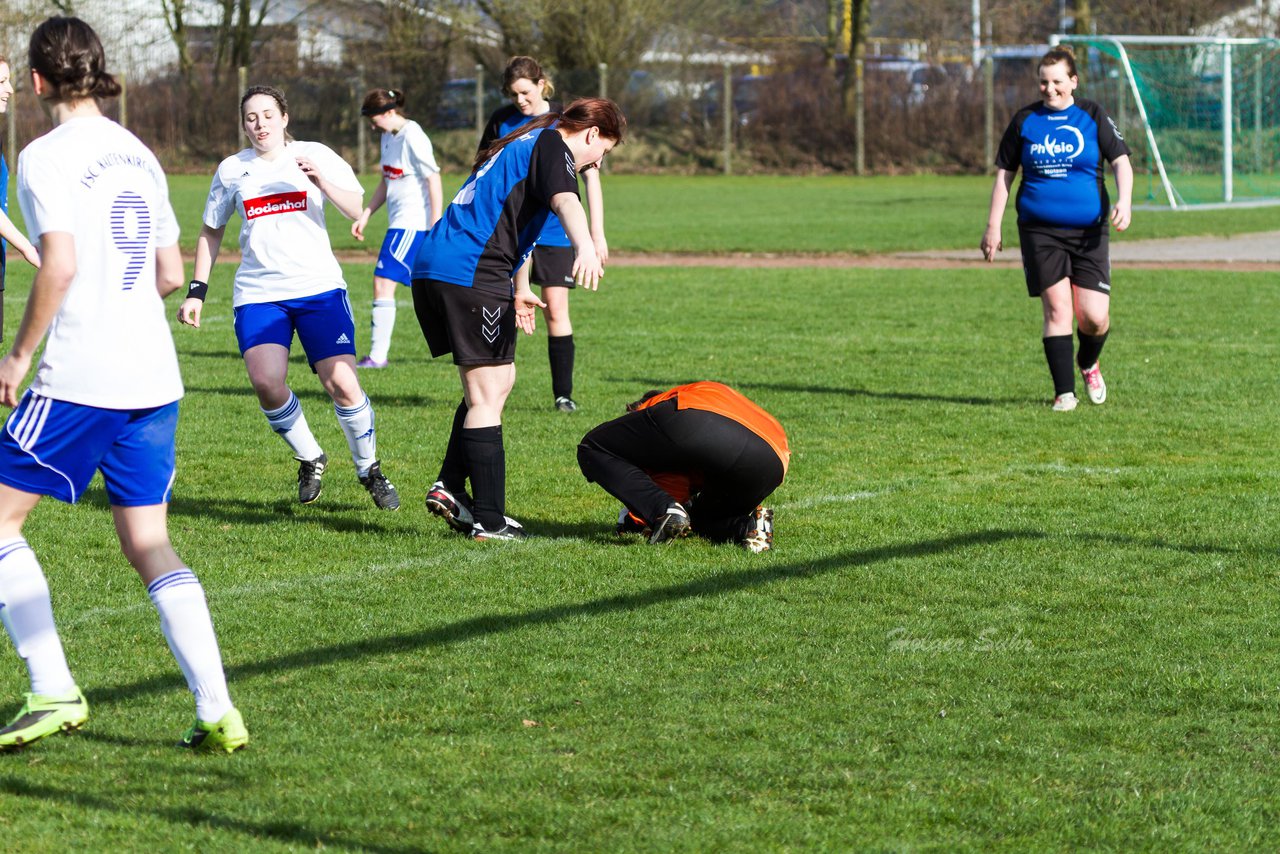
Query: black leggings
[[737, 468]]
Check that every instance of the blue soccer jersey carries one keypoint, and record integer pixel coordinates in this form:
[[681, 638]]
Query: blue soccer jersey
[[505, 120], [1063, 155], [493, 222]]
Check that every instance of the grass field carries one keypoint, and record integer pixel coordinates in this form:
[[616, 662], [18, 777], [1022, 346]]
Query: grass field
[[715, 214], [984, 625]]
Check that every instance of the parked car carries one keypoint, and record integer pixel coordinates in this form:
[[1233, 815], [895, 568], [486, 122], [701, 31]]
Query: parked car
[[906, 80]]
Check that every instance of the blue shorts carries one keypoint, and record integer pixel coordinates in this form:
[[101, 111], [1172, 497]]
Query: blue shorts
[[324, 324], [399, 248], [51, 447]]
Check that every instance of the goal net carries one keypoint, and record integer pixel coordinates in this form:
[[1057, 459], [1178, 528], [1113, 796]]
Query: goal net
[[1200, 114]]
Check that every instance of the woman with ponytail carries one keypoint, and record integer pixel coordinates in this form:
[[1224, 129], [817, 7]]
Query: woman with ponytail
[[105, 396], [466, 302], [410, 188]]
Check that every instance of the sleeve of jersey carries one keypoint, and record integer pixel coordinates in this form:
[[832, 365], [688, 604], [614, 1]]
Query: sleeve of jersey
[[1110, 141], [423, 154], [46, 204], [551, 170], [1009, 155], [217, 208], [167, 229], [335, 169]]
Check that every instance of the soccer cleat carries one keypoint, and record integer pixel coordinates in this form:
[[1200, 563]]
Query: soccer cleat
[[511, 530], [629, 523], [370, 362], [566, 404], [456, 510], [227, 735], [1065, 402], [43, 715], [309, 473], [384, 494], [671, 525], [759, 535], [1093, 384]]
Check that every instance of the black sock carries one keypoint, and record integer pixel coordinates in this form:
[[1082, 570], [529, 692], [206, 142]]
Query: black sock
[[1057, 351], [560, 354], [1090, 349], [488, 463], [453, 471]]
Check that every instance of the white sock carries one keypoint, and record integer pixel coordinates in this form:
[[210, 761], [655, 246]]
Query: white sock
[[187, 626], [27, 614], [384, 322], [357, 423], [291, 424]]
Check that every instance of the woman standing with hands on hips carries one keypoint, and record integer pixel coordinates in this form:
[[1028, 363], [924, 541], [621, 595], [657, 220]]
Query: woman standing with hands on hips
[[465, 300], [550, 267], [1062, 144], [288, 281], [410, 187]]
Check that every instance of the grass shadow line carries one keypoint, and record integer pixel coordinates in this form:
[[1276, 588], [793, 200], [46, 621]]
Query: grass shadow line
[[281, 831], [644, 383], [482, 626]]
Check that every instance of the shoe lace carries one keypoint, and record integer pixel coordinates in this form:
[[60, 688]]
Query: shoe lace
[[376, 482]]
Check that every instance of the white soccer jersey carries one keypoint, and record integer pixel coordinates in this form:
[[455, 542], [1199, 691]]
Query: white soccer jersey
[[407, 160], [109, 344], [284, 247]]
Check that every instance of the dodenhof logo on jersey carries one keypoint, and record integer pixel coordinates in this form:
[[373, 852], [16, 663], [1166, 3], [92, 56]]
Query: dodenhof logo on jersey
[[276, 203], [1063, 142], [391, 173]]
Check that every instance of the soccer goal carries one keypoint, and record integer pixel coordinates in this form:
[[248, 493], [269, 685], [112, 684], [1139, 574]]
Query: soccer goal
[[1200, 114]]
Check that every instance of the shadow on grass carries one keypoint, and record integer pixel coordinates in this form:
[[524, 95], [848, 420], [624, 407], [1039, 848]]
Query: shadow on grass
[[464, 630], [445, 404], [281, 831], [643, 384], [241, 512]]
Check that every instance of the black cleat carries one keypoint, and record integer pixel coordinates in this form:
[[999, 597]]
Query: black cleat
[[383, 493], [309, 474]]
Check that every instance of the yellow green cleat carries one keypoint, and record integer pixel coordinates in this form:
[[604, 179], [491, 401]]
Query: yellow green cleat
[[227, 735], [43, 715]]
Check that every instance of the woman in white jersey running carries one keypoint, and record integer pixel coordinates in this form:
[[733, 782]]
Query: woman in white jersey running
[[105, 396], [289, 281], [411, 189]]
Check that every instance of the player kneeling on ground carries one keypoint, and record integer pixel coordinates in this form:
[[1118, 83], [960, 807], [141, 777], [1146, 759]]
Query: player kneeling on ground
[[696, 458]]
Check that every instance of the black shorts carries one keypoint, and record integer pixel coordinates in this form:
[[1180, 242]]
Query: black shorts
[[552, 266], [1050, 255], [476, 326]]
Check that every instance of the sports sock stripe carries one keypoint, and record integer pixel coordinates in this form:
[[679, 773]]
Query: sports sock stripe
[[177, 578]]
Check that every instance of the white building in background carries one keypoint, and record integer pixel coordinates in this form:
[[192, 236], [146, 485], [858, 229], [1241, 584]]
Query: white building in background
[[137, 39], [1259, 19]]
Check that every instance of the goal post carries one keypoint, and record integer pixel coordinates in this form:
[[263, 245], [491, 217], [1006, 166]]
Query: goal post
[[1209, 132]]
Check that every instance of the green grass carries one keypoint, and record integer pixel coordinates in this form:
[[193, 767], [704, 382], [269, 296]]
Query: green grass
[[984, 625], [714, 214]]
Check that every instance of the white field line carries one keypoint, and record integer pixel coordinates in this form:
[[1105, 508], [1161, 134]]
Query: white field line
[[819, 500], [260, 588]]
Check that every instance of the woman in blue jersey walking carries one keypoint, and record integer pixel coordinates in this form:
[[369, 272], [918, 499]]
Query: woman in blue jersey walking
[[466, 302], [551, 263], [1062, 144]]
